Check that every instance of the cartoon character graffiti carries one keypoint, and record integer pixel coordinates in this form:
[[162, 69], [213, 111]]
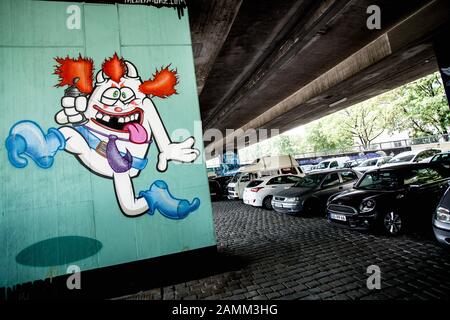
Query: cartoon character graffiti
[[109, 126]]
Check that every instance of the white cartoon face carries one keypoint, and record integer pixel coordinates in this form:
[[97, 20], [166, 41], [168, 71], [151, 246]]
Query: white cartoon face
[[116, 108]]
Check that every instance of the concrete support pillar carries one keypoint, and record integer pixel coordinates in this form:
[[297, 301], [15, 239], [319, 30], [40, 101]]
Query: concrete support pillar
[[442, 51]]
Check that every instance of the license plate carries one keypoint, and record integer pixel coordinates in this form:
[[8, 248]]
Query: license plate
[[339, 217], [279, 205]]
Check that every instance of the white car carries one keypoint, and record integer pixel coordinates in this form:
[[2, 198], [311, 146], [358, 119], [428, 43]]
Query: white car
[[372, 163], [328, 164], [411, 157], [259, 192], [238, 183], [240, 180]]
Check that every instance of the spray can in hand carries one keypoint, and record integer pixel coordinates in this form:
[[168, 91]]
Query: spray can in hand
[[73, 91]]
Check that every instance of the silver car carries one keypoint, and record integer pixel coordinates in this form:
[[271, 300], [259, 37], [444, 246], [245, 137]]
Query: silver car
[[441, 220], [311, 193]]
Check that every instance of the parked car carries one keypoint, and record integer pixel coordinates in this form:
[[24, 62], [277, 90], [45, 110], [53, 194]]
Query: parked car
[[372, 163], [238, 183], [267, 166], [307, 167], [441, 220], [442, 158], [328, 164], [391, 198], [353, 163], [215, 191], [310, 194], [223, 182], [412, 156], [259, 193]]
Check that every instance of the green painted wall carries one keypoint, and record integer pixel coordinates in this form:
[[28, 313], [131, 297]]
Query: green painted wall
[[67, 200]]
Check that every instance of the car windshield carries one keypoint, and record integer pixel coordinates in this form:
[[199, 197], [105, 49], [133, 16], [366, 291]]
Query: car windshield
[[379, 181], [405, 158], [323, 165], [310, 181]]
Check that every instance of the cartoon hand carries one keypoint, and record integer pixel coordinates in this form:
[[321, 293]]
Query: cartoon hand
[[72, 110], [181, 151]]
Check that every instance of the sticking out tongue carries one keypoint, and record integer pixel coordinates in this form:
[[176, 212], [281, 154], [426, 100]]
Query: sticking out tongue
[[138, 134]]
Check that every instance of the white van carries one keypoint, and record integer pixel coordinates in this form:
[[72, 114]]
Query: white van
[[264, 167]]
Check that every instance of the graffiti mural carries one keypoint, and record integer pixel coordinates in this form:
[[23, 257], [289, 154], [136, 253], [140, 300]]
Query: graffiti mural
[[108, 124]]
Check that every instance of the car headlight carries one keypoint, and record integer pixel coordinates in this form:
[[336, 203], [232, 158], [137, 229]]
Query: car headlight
[[367, 206], [295, 199], [443, 215]]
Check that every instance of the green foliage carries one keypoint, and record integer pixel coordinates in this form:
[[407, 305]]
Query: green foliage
[[327, 134], [286, 145], [367, 120], [422, 107]]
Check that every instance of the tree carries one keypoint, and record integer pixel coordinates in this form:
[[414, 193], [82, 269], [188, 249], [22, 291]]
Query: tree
[[326, 134], [319, 138], [366, 121], [286, 145], [422, 107]]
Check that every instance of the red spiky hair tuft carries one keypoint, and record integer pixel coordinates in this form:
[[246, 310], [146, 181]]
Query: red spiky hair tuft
[[162, 85], [114, 67], [69, 69]]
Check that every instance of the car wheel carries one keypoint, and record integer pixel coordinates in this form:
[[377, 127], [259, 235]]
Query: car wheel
[[392, 223], [311, 207], [267, 203]]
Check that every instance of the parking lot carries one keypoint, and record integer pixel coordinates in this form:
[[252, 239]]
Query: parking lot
[[289, 257]]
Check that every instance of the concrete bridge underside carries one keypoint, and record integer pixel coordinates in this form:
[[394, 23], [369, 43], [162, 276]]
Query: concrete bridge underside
[[280, 64]]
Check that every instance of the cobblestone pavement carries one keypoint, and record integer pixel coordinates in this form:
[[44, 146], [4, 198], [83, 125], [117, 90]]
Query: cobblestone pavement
[[288, 257]]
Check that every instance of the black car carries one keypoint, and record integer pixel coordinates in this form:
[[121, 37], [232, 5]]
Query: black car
[[391, 198], [223, 182], [442, 158], [441, 220], [310, 194], [215, 190]]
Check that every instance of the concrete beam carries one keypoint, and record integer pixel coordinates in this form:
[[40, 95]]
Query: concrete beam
[[310, 18], [210, 21]]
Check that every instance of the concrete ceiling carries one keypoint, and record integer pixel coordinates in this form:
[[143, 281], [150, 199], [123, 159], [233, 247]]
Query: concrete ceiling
[[281, 64]]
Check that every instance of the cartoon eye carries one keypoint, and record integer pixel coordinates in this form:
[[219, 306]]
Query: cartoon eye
[[110, 96], [126, 95]]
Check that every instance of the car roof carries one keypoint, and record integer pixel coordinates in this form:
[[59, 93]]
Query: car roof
[[444, 152], [334, 159], [414, 152], [406, 153], [329, 171], [404, 166], [275, 176], [371, 159]]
